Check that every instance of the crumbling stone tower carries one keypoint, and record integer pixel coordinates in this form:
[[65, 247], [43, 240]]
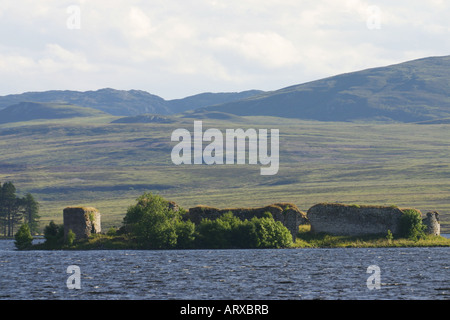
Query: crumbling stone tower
[[432, 223], [83, 221]]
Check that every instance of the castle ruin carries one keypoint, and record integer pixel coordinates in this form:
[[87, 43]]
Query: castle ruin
[[432, 223], [287, 213], [83, 221], [350, 220]]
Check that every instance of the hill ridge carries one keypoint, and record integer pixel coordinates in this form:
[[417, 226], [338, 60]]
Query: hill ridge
[[416, 90]]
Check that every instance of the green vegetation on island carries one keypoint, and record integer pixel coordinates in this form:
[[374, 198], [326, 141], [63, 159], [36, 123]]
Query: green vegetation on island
[[307, 239], [153, 224]]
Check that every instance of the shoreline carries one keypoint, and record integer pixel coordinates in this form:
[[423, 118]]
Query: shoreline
[[323, 241]]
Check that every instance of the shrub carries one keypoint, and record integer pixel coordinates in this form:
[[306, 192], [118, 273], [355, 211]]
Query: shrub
[[229, 231], [71, 236], [215, 234], [111, 232], [271, 233], [389, 236], [411, 225], [23, 237], [185, 234], [244, 235], [53, 233]]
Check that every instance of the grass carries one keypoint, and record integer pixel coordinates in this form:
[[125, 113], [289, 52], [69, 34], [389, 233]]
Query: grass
[[94, 242], [306, 239], [91, 162]]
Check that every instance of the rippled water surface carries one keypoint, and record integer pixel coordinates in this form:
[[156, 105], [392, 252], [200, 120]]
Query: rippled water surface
[[405, 273]]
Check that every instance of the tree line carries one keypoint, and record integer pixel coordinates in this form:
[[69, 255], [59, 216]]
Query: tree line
[[15, 210]]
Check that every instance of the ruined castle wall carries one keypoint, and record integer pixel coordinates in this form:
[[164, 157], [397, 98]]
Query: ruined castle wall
[[432, 223], [288, 214], [83, 221], [339, 219]]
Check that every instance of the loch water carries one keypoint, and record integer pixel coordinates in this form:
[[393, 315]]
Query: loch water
[[279, 274]]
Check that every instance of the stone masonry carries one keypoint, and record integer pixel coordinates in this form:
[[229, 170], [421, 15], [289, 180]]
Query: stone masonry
[[287, 213], [341, 219], [432, 223], [83, 221]]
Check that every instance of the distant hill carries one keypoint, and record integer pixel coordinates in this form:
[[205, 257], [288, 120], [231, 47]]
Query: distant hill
[[205, 114], [413, 91], [26, 111], [209, 99], [125, 103], [145, 118], [437, 121], [114, 102]]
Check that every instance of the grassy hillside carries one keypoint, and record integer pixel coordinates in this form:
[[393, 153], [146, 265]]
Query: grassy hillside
[[92, 162], [26, 111], [413, 91], [145, 118], [111, 101], [125, 102], [208, 99]]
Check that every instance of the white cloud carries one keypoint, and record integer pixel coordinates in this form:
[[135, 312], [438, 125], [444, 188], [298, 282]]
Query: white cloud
[[58, 59], [139, 24], [179, 47], [269, 49]]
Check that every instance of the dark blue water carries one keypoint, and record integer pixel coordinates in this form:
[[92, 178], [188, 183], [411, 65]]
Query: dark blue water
[[405, 273]]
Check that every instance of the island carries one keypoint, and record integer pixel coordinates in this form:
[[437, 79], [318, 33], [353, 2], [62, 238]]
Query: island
[[155, 223]]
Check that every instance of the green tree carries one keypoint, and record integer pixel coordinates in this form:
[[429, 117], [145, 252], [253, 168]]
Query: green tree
[[53, 233], [30, 209], [411, 225], [185, 231], [244, 235], [23, 237], [213, 234], [9, 208], [153, 222], [271, 233]]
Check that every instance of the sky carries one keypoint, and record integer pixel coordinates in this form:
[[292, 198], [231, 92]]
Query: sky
[[180, 48]]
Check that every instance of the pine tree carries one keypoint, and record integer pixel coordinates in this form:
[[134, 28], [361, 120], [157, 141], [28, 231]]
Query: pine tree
[[14, 210], [3, 222], [10, 213], [10, 207], [30, 209]]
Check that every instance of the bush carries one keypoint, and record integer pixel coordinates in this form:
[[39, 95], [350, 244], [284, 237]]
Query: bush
[[71, 236], [214, 234], [271, 234], [229, 231], [53, 233], [111, 232], [389, 236], [185, 234], [411, 225], [23, 237]]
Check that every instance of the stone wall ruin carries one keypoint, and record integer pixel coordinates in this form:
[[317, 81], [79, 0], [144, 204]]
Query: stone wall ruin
[[351, 220], [287, 213], [83, 221]]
